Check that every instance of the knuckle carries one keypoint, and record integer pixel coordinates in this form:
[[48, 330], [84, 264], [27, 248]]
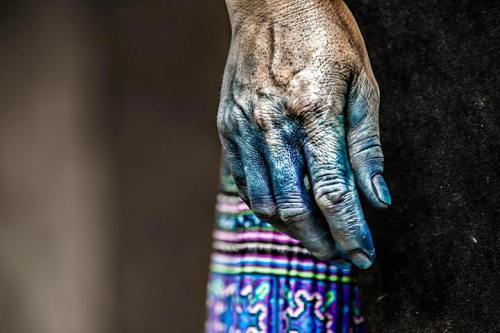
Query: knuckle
[[264, 210], [365, 149], [231, 120], [352, 229], [331, 200], [291, 208], [331, 190], [262, 119], [268, 113], [294, 214], [268, 119]]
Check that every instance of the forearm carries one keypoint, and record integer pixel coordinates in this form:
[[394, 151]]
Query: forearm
[[240, 10]]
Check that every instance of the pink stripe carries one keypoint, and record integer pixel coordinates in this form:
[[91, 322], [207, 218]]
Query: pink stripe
[[254, 236], [232, 208]]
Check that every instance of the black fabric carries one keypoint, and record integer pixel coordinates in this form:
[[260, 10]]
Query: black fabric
[[437, 64]]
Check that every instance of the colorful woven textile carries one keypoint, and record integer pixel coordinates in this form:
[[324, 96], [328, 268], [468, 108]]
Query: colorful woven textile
[[264, 281]]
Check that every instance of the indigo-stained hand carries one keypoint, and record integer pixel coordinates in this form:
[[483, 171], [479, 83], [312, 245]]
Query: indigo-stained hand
[[298, 119]]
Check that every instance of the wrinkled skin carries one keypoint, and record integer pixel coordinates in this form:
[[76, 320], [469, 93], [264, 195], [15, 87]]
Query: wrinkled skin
[[298, 119]]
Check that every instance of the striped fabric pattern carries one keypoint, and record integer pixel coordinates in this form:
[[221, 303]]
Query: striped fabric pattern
[[262, 280]]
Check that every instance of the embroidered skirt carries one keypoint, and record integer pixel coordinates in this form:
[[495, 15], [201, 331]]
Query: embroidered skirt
[[261, 280]]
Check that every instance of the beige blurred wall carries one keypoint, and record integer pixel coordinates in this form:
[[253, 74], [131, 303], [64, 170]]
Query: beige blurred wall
[[168, 61], [55, 220], [108, 163]]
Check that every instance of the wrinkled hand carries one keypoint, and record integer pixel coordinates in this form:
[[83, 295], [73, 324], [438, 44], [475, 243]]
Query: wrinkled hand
[[298, 119]]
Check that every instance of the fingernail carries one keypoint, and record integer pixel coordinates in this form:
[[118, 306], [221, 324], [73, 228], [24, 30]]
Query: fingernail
[[360, 259], [381, 190]]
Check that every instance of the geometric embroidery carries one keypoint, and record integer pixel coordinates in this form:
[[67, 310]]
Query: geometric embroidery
[[263, 281]]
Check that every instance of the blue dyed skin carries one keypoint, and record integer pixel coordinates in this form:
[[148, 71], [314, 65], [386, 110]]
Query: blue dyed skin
[[298, 118]]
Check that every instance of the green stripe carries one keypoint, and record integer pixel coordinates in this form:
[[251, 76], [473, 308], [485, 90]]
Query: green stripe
[[242, 213], [222, 269], [243, 228]]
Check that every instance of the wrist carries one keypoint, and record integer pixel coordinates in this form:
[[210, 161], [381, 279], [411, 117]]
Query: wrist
[[278, 10]]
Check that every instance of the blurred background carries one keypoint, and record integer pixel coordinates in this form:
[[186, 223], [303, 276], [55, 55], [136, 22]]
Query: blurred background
[[109, 162]]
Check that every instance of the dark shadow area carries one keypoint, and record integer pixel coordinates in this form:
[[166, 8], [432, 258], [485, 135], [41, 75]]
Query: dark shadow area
[[437, 66]]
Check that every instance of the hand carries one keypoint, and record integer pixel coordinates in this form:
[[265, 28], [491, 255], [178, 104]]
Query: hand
[[298, 119]]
